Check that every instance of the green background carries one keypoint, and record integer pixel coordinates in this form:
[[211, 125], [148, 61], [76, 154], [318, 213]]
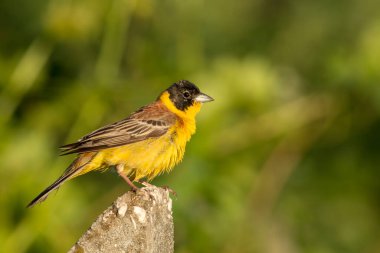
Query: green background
[[286, 159]]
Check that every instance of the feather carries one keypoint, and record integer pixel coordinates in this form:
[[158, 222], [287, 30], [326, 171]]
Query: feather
[[148, 122]]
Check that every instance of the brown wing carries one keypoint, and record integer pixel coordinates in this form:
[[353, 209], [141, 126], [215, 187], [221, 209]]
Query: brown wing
[[152, 120]]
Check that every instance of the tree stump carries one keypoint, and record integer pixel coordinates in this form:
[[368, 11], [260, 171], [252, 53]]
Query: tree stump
[[135, 222]]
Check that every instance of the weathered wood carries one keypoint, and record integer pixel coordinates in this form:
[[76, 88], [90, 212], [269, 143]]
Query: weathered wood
[[135, 222]]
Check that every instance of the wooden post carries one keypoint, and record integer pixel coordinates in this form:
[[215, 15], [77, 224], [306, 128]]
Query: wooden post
[[135, 222]]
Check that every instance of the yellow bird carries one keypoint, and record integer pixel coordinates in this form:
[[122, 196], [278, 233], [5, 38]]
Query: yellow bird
[[150, 141]]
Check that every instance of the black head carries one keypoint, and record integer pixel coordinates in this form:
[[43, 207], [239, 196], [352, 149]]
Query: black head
[[184, 93]]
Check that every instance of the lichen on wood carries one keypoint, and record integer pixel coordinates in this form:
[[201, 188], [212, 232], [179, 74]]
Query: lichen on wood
[[135, 222]]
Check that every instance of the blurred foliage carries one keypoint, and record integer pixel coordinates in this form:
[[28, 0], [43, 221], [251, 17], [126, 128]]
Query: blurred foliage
[[285, 160]]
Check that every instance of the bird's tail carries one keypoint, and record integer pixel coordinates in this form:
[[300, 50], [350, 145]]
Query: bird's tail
[[75, 169]]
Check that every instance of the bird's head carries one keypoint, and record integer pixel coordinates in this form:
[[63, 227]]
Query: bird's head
[[184, 94]]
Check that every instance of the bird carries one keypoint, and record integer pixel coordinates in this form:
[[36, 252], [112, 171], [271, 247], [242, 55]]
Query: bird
[[150, 141]]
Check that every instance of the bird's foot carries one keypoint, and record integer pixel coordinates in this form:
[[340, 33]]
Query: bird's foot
[[146, 184], [165, 187]]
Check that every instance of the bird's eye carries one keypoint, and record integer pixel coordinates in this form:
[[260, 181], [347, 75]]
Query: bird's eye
[[186, 94]]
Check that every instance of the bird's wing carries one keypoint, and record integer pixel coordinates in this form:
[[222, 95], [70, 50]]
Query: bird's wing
[[150, 121]]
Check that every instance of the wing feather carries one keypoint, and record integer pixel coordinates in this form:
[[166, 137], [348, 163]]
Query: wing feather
[[148, 122]]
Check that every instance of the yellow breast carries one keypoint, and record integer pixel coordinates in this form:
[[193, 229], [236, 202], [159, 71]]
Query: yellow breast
[[153, 156]]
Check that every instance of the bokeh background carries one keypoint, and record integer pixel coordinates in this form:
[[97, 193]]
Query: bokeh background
[[286, 159]]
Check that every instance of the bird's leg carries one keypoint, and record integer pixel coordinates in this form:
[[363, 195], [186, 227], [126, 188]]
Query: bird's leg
[[120, 170]]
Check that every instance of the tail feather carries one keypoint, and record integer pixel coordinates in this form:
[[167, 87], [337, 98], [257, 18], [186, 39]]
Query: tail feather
[[45, 193], [73, 170]]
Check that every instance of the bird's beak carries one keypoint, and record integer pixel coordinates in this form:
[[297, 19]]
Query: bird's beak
[[203, 98]]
